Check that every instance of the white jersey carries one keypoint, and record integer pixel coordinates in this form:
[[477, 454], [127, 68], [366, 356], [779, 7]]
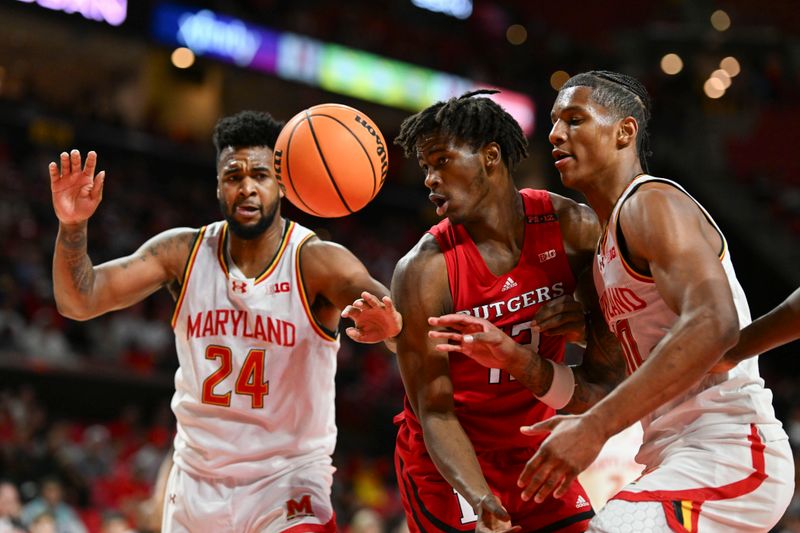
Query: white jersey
[[254, 392], [640, 318]]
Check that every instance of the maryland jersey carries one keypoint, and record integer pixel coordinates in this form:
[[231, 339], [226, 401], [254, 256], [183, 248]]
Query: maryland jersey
[[254, 393], [640, 318], [490, 405]]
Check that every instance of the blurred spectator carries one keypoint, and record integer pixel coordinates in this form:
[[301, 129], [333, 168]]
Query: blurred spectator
[[50, 503], [114, 522], [10, 509]]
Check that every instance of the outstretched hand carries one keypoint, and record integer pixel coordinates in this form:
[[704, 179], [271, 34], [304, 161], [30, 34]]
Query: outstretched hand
[[493, 517], [76, 190], [574, 442], [476, 338], [375, 320]]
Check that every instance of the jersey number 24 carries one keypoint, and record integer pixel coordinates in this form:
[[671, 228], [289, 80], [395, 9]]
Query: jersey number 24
[[249, 382]]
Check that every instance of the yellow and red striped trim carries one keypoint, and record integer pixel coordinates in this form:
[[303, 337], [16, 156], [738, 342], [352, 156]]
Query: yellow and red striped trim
[[304, 297], [187, 271], [281, 249]]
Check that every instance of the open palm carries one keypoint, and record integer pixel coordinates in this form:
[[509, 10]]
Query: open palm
[[76, 190]]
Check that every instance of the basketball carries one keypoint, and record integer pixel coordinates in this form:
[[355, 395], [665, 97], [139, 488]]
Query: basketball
[[330, 160]]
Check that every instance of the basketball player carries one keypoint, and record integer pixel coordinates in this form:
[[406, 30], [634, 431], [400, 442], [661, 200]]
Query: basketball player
[[511, 256], [776, 328], [717, 459], [258, 299]]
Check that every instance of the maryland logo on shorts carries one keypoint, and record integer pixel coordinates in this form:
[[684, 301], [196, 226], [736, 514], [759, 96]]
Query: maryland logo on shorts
[[299, 508]]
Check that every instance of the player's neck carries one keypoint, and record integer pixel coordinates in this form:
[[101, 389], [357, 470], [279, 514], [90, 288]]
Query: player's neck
[[604, 196], [252, 256], [500, 219]]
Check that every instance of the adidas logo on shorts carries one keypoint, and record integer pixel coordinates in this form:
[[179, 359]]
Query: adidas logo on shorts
[[581, 502]]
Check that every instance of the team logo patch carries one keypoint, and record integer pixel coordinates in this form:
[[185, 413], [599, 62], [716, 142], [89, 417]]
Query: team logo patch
[[547, 256], [239, 286], [299, 508], [509, 284]]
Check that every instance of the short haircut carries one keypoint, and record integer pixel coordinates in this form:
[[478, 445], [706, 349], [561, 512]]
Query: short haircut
[[476, 121], [623, 95], [244, 129]]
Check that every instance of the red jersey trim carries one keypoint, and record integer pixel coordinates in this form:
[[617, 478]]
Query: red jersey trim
[[187, 271], [725, 492]]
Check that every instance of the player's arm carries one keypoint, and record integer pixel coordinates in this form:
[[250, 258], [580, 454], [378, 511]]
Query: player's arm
[[82, 290], [776, 328], [420, 289], [336, 277], [667, 234]]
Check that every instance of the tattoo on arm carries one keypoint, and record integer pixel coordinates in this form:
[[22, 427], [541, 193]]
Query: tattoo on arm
[[603, 367], [73, 248]]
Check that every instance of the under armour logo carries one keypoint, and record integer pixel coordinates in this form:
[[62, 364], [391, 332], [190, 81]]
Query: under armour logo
[[239, 286], [172, 498]]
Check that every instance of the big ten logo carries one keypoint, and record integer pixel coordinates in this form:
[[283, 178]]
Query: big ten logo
[[299, 509], [277, 288], [546, 256]]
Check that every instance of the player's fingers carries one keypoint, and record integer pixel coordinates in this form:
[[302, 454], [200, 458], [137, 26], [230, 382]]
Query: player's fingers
[[350, 312], [564, 486], [371, 299], [445, 335], [359, 304], [548, 485], [65, 167], [52, 168], [540, 428], [449, 348], [456, 321], [90, 164], [533, 476], [387, 301], [481, 338], [75, 160], [353, 333], [99, 183]]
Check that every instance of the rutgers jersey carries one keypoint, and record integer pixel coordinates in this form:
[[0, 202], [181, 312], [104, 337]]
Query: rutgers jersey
[[490, 404], [640, 318], [254, 393]]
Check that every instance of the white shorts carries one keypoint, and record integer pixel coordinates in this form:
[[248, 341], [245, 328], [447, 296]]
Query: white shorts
[[298, 501], [720, 484]]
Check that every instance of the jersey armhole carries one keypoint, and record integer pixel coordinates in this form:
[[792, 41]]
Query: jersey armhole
[[187, 272], [321, 329]]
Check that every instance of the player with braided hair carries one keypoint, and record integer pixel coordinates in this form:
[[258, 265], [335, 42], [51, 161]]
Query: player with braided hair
[[513, 257], [716, 458]]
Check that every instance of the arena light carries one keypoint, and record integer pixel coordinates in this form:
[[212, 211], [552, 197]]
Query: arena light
[[516, 34], [671, 64], [730, 65], [714, 88], [460, 9], [558, 78], [720, 20], [722, 76], [113, 12], [182, 57], [335, 68]]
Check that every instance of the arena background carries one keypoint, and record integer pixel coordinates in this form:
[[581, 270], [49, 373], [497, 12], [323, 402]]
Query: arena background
[[88, 402]]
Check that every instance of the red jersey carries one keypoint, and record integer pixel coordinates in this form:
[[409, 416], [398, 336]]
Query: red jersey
[[490, 405]]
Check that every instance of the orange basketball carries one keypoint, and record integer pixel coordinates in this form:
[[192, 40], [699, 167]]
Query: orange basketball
[[330, 160]]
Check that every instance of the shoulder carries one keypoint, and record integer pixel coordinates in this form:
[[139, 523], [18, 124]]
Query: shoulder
[[423, 256], [580, 227], [171, 247], [420, 284], [654, 202]]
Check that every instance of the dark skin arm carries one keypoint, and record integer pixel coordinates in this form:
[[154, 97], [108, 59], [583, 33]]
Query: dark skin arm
[[668, 236], [420, 289], [776, 328], [82, 290], [334, 278], [603, 366]]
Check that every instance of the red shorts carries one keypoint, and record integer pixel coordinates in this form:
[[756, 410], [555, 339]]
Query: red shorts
[[431, 504]]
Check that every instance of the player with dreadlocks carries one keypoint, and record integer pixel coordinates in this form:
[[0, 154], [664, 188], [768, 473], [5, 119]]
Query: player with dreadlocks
[[716, 458], [512, 257]]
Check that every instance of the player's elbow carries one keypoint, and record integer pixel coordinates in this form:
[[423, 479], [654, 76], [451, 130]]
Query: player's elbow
[[72, 311], [722, 328]]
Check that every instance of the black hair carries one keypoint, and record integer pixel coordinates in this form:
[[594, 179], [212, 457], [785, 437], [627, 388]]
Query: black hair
[[623, 95], [477, 121], [246, 128]]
